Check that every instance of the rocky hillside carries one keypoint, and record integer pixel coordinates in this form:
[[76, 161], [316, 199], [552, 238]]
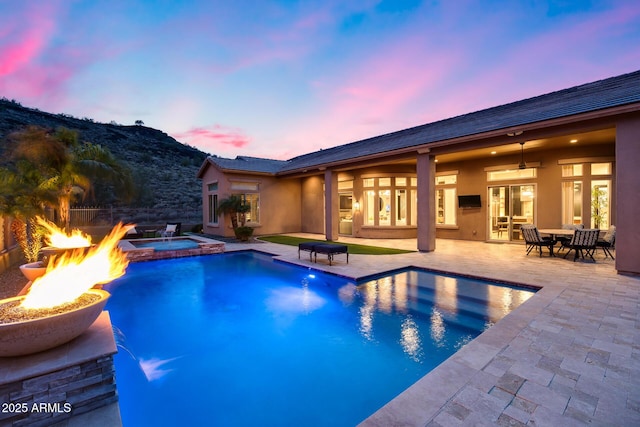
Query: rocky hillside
[[164, 169]]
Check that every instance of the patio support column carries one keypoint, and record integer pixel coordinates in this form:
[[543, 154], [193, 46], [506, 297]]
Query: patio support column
[[627, 195], [331, 205], [426, 171]]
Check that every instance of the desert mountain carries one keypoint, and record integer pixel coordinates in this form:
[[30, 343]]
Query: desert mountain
[[164, 169]]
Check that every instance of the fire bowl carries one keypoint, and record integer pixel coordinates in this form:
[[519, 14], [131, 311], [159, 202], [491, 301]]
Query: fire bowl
[[33, 270], [48, 251], [32, 336]]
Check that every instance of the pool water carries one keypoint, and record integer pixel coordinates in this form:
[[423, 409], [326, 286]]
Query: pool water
[[167, 245], [240, 340]]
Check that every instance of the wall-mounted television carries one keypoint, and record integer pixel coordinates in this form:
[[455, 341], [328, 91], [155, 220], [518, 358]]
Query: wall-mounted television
[[470, 201]]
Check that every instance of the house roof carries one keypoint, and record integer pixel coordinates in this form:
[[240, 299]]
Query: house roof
[[244, 164], [591, 97]]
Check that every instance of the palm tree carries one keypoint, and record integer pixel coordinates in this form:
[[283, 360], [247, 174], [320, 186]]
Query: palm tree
[[67, 167], [234, 205], [22, 198]]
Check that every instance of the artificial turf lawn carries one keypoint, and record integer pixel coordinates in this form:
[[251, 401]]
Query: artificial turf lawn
[[353, 248]]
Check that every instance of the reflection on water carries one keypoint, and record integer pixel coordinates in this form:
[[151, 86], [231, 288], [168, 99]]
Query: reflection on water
[[437, 327], [444, 302], [366, 321], [410, 340], [385, 294], [292, 300], [347, 293]]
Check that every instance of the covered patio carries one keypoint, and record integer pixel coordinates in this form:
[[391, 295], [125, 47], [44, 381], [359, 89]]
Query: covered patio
[[568, 356]]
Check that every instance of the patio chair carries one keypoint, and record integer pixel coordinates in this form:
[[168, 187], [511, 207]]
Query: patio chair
[[608, 242], [172, 229], [133, 233], [565, 240], [583, 243], [533, 240]]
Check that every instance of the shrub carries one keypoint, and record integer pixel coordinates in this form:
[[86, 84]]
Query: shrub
[[243, 233]]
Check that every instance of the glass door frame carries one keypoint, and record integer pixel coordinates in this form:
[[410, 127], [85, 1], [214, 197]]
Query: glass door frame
[[502, 219], [345, 213]]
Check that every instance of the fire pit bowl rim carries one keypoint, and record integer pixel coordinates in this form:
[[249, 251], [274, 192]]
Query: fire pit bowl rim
[[104, 295], [43, 333]]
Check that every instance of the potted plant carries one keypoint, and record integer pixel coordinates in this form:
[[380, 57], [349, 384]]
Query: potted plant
[[31, 243], [236, 207], [243, 233]]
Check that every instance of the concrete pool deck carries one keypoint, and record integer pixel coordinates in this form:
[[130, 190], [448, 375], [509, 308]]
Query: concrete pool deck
[[569, 356]]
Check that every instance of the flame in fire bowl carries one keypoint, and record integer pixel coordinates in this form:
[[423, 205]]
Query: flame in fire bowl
[[34, 335], [62, 303]]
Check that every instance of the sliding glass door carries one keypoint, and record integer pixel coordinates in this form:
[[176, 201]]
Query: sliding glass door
[[510, 206]]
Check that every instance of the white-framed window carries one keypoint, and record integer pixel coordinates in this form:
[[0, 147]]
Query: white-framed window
[[213, 208], [253, 200], [600, 203], [572, 202], [401, 206], [571, 170], [446, 190], [511, 174], [601, 168], [389, 201], [593, 192], [212, 202], [245, 186]]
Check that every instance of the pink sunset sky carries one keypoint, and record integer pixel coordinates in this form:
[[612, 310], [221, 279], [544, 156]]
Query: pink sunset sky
[[280, 78]]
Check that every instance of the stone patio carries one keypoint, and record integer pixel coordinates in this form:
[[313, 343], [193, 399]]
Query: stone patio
[[569, 356]]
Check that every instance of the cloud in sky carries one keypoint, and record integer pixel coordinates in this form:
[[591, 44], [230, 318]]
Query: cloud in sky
[[21, 51], [216, 139], [281, 79]]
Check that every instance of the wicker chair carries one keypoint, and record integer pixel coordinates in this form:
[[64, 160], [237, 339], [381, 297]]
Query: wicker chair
[[583, 243], [533, 240]]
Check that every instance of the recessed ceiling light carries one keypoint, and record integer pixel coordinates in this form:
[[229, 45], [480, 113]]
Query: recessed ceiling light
[[493, 152], [436, 160], [573, 141]]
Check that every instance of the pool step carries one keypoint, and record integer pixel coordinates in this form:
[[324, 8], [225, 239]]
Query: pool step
[[467, 313], [472, 306]]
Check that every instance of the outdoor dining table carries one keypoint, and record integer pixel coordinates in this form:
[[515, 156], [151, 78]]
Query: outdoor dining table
[[554, 232]]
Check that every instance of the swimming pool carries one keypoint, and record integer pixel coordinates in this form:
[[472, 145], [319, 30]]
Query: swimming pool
[[237, 339]]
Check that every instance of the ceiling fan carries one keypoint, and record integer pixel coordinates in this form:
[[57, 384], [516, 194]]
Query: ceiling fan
[[522, 164]]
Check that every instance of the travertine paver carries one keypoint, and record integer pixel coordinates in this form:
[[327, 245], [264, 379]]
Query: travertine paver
[[569, 356]]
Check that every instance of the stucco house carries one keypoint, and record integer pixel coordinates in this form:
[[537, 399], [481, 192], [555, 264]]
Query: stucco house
[[566, 157]]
